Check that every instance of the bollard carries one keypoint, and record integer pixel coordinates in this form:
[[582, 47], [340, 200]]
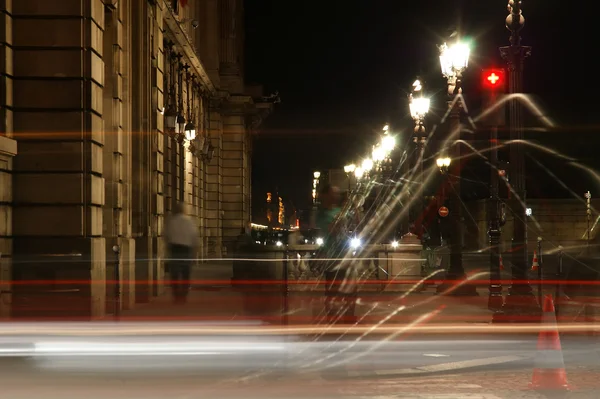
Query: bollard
[[286, 308], [117, 251], [541, 266], [285, 290]]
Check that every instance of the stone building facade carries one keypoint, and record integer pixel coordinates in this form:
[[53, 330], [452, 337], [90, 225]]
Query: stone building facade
[[90, 158]]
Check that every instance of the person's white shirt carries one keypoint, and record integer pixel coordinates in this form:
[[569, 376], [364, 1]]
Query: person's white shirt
[[181, 230]]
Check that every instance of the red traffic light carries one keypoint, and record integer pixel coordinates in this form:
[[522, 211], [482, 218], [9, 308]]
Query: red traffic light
[[493, 79]]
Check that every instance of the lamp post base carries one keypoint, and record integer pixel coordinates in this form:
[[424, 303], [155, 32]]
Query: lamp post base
[[495, 302], [521, 306], [495, 295]]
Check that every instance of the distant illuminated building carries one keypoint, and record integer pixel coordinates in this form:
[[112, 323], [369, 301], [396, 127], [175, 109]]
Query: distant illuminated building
[[281, 218], [269, 211], [316, 177]]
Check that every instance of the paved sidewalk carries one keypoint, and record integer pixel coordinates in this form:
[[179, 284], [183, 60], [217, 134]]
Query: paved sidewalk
[[219, 303], [212, 297]]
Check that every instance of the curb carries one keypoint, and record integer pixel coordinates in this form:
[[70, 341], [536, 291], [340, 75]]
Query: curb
[[439, 368]]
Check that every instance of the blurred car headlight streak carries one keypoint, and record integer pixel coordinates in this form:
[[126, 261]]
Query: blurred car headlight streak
[[157, 347]]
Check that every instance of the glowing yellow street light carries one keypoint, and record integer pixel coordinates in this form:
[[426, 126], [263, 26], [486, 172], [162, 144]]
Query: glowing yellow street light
[[454, 59], [359, 172], [419, 107], [443, 162], [378, 154], [388, 143], [317, 175], [367, 164], [386, 128], [349, 168]]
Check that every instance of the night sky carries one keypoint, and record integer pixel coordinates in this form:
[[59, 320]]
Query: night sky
[[344, 67]]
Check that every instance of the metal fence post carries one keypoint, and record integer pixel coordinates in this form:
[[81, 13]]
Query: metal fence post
[[540, 266], [588, 213], [559, 275]]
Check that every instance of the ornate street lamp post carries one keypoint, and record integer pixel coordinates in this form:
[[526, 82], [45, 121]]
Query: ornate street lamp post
[[349, 170], [443, 163], [520, 300], [454, 59], [190, 128], [419, 107]]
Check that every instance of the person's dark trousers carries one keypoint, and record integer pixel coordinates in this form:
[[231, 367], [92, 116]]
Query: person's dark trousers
[[180, 270], [340, 306]]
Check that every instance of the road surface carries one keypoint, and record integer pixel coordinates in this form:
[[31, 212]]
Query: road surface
[[187, 366]]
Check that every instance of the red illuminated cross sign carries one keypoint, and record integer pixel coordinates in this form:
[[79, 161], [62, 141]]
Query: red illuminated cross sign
[[493, 78]]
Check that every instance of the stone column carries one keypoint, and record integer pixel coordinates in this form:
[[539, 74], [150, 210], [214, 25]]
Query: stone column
[[198, 211], [208, 38], [170, 176], [6, 67], [116, 158], [202, 206], [58, 109], [157, 202], [188, 179], [235, 178], [213, 187], [113, 151], [230, 56], [125, 79], [142, 130], [8, 149], [200, 191]]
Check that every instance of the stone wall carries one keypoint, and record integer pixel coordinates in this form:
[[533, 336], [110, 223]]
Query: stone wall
[[84, 89], [58, 122], [8, 149], [213, 204], [236, 178], [559, 222]]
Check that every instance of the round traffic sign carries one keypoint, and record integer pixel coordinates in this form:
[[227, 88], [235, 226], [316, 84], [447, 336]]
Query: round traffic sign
[[443, 211]]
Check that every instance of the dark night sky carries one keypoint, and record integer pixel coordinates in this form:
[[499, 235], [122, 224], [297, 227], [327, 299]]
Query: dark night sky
[[343, 67]]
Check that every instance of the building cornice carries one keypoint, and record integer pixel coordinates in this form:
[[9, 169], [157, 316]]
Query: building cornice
[[262, 111], [245, 105], [8, 147], [219, 97], [183, 41], [236, 104]]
